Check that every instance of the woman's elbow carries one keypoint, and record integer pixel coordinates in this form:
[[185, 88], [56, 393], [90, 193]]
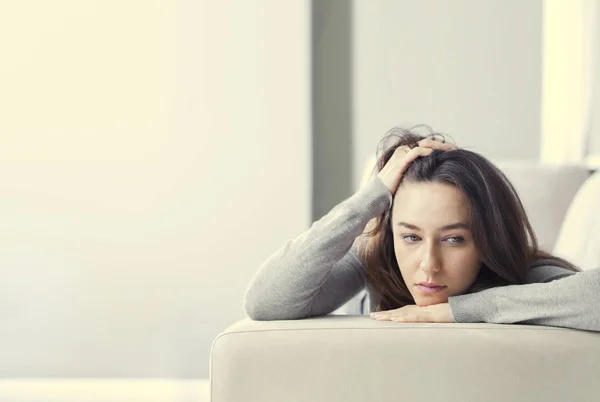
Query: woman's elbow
[[260, 311]]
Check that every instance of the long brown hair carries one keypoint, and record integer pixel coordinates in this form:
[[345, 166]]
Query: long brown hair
[[504, 238]]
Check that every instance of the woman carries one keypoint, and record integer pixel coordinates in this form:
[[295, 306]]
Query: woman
[[438, 235]]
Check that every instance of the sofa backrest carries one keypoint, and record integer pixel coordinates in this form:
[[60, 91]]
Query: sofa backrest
[[579, 237], [546, 192]]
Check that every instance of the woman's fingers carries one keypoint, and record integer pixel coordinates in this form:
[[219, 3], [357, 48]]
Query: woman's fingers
[[412, 154], [416, 152], [403, 156], [435, 143]]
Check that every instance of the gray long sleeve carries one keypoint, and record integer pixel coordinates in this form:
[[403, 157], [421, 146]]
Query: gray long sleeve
[[554, 297], [318, 271]]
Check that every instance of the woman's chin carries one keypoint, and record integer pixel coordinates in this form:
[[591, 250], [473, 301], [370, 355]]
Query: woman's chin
[[429, 301], [423, 303]]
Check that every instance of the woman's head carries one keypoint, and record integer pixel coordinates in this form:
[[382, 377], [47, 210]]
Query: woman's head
[[455, 221], [431, 234]]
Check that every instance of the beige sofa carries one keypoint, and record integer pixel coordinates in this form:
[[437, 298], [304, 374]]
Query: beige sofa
[[346, 356]]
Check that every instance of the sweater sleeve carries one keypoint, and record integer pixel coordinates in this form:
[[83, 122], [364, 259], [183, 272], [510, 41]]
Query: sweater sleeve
[[318, 271], [553, 296]]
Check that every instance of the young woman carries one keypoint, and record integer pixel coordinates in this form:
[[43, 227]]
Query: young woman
[[438, 235]]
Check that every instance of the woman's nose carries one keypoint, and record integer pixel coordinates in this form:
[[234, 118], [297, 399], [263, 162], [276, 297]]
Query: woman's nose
[[430, 261]]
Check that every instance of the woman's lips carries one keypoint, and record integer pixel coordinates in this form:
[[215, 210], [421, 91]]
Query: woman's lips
[[430, 290]]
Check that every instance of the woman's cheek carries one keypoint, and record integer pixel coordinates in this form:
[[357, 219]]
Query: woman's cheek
[[402, 255]]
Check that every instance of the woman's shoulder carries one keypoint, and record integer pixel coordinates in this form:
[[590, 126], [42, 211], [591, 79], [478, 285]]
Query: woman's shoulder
[[546, 270]]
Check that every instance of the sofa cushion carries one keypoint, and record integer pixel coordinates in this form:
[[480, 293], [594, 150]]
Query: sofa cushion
[[579, 237], [355, 358], [546, 192]]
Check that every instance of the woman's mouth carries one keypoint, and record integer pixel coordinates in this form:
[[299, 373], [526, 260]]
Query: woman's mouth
[[430, 289]]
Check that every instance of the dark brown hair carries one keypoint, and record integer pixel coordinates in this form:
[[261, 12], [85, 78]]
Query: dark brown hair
[[501, 230]]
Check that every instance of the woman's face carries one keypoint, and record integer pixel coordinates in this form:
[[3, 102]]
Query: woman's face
[[433, 241]]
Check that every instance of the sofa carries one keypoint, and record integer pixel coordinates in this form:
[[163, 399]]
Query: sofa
[[346, 356]]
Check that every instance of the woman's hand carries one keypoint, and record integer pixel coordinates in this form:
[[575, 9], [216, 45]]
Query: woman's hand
[[412, 313], [392, 172]]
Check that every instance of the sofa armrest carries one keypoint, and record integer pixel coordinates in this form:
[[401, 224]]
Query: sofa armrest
[[355, 358]]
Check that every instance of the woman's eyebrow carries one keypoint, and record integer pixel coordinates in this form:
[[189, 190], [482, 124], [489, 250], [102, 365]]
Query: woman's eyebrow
[[458, 225]]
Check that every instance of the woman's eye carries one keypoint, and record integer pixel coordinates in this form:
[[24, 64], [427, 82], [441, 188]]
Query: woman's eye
[[411, 238], [455, 239]]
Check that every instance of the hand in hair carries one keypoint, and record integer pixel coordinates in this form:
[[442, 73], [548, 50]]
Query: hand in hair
[[392, 172]]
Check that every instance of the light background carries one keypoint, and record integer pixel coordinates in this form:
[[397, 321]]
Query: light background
[[156, 153]]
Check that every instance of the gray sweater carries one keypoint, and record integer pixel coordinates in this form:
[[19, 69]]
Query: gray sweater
[[319, 271]]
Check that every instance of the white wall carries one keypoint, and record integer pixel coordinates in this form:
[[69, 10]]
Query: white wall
[[469, 68], [153, 155]]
